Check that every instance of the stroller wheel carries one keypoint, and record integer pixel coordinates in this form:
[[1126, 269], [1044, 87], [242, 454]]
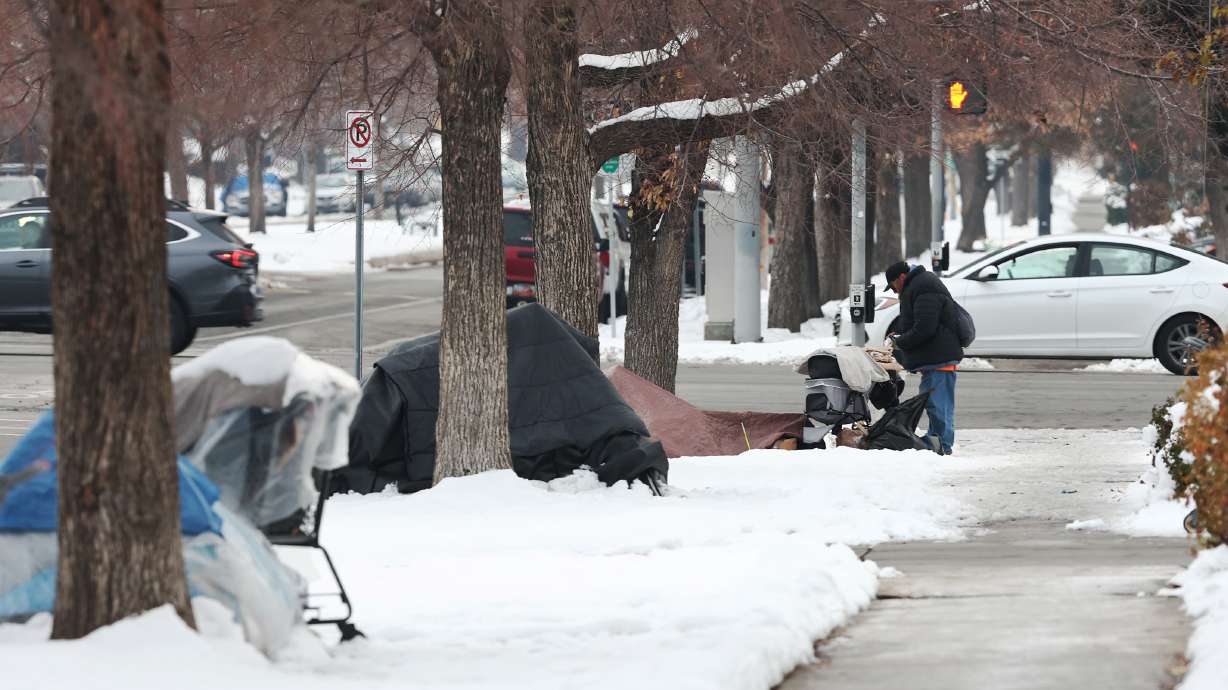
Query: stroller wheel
[[349, 631], [1191, 521]]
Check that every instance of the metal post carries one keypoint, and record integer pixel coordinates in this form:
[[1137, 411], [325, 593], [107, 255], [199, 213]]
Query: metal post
[[358, 262], [859, 226], [614, 271], [1044, 188], [936, 168], [697, 225], [746, 309]]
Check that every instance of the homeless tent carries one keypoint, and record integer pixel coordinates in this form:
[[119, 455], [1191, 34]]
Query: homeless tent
[[563, 413], [687, 431]]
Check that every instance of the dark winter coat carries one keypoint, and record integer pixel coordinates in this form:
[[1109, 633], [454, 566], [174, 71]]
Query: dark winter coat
[[927, 334]]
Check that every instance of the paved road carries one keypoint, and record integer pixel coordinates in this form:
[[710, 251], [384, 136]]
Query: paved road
[[316, 312]]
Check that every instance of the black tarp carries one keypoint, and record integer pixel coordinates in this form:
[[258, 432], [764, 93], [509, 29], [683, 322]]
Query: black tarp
[[563, 412], [897, 428]]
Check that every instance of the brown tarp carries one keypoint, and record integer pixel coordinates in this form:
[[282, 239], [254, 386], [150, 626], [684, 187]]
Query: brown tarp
[[688, 431]]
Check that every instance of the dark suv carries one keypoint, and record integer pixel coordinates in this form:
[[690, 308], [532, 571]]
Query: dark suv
[[212, 273]]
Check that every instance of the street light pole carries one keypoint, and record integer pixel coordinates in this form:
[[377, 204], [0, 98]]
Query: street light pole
[[936, 149]]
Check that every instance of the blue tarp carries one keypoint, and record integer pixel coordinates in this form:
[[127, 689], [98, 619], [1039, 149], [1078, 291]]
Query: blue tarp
[[28, 487]]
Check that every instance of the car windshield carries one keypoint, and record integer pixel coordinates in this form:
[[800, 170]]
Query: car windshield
[[16, 188], [982, 259]]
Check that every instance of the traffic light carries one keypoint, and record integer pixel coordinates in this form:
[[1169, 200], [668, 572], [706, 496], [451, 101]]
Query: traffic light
[[964, 98]]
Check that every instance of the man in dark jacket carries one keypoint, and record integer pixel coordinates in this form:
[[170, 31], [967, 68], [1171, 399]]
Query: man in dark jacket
[[926, 340]]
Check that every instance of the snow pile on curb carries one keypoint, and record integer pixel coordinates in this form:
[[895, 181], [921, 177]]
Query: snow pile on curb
[[779, 346], [494, 581], [1204, 591], [1129, 366], [288, 247]]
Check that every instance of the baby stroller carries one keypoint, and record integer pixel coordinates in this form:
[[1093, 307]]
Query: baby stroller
[[837, 397], [269, 438]]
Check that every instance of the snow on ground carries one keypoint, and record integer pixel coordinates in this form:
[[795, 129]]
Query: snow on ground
[[494, 581], [1129, 366], [779, 346], [288, 247], [1204, 592]]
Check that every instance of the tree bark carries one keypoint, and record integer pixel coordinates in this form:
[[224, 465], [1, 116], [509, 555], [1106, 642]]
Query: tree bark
[[887, 240], [254, 148], [657, 243], [207, 149], [832, 227], [917, 221], [559, 170], [311, 173], [1217, 199], [177, 163], [473, 68], [973, 168], [1021, 186], [791, 176], [120, 551]]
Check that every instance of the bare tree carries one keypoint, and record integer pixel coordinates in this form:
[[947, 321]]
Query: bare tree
[[120, 550], [473, 67]]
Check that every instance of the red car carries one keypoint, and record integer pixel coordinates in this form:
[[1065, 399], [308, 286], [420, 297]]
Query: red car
[[519, 255]]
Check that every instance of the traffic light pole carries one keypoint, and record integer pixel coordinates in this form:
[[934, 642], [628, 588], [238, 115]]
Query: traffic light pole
[[936, 150], [857, 290]]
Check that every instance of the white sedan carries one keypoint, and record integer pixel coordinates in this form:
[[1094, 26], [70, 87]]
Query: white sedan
[[1088, 296]]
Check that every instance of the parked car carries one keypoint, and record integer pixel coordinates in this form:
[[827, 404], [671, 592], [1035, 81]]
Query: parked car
[[211, 272], [520, 255], [235, 196], [335, 193], [1084, 296], [14, 188]]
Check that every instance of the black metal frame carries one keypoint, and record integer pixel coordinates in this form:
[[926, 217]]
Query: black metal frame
[[312, 540]]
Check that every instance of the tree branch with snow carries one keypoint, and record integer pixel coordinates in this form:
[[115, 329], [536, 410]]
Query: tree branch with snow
[[603, 71]]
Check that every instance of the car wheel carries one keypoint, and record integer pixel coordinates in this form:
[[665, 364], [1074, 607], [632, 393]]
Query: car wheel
[[1171, 347], [182, 334]]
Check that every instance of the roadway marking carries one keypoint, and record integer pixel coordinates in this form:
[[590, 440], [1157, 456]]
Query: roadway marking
[[305, 322]]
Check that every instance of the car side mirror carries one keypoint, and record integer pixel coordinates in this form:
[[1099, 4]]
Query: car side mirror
[[987, 274]]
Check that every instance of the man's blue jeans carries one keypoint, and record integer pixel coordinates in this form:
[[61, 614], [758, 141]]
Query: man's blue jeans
[[941, 406]]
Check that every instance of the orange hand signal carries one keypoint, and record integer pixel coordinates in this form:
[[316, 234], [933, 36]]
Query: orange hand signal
[[956, 95]]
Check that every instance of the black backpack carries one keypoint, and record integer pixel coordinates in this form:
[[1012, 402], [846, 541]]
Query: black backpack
[[961, 322]]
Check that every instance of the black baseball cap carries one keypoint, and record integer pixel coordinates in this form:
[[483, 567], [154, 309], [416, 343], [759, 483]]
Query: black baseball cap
[[896, 270]]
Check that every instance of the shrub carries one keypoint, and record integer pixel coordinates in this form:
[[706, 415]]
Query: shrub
[[1205, 428], [1168, 446]]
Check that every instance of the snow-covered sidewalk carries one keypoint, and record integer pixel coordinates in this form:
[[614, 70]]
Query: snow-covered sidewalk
[[494, 581]]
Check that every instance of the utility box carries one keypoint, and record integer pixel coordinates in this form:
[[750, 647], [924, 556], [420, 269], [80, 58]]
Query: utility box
[[719, 214]]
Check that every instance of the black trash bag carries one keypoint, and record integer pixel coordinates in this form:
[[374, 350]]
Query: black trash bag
[[897, 429], [885, 395]]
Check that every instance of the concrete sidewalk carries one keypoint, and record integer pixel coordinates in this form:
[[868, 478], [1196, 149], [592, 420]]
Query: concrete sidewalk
[[1028, 606]]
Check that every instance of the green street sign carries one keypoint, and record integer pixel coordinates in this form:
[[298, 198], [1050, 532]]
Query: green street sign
[[610, 166]]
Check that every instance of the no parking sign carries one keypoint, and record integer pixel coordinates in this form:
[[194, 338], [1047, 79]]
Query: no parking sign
[[359, 136]]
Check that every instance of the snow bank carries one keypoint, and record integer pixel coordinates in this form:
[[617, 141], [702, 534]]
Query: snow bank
[[779, 346], [288, 247], [1204, 591], [1129, 366], [494, 581]]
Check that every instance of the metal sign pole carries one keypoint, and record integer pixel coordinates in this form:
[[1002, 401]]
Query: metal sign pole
[[857, 291], [936, 200], [358, 262]]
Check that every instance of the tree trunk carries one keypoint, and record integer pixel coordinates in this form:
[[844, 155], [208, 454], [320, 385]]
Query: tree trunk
[[559, 170], [177, 162], [1021, 191], [120, 551], [310, 172], [656, 258], [207, 149], [791, 177], [810, 263], [974, 186], [917, 221], [832, 227], [473, 68], [887, 241], [254, 147], [1217, 199]]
